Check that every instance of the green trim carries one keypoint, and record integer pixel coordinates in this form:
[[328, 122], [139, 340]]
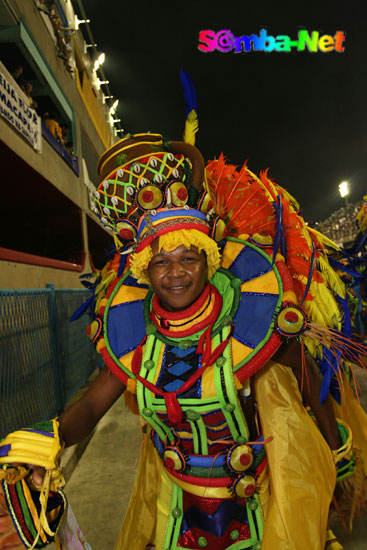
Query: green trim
[[178, 523], [200, 424], [144, 393], [199, 471], [241, 545], [233, 393], [195, 437], [347, 469], [258, 517], [25, 510], [173, 525], [225, 370], [187, 404]]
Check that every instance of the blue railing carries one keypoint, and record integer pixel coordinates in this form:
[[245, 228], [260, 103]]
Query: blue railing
[[60, 150], [44, 359]]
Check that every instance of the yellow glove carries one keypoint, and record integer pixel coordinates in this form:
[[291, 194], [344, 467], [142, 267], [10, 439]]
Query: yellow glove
[[39, 445]]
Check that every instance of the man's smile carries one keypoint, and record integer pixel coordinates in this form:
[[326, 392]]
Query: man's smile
[[176, 288], [177, 277]]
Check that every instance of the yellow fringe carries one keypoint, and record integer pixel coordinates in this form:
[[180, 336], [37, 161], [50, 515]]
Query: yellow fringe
[[172, 240], [13, 474]]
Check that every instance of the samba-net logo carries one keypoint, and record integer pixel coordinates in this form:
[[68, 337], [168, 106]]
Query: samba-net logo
[[225, 41]]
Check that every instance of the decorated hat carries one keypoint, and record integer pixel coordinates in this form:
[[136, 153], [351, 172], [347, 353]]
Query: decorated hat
[[159, 222], [173, 227], [142, 173]]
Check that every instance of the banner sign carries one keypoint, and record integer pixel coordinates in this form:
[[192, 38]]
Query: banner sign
[[14, 107]]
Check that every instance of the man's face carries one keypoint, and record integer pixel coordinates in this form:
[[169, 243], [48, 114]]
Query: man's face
[[178, 277]]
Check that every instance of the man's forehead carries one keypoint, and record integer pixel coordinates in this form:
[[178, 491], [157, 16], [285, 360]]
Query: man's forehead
[[180, 249]]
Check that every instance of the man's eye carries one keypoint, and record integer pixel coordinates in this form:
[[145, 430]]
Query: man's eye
[[189, 259]]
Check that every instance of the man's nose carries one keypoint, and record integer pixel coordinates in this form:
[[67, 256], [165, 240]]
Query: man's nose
[[176, 269]]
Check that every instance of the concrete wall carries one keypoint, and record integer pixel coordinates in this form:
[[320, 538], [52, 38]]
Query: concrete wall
[[49, 164], [16, 275]]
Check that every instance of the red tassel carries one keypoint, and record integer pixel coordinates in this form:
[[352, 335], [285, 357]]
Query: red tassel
[[174, 411], [217, 352], [138, 357], [204, 344], [136, 362], [200, 346]]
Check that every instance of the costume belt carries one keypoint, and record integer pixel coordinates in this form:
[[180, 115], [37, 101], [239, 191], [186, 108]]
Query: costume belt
[[234, 472]]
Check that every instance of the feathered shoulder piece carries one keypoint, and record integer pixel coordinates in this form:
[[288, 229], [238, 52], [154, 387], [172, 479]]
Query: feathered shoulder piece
[[262, 211], [259, 208]]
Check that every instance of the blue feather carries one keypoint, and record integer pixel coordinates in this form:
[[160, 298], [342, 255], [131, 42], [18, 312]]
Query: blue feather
[[82, 309], [329, 365], [189, 92], [345, 269], [346, 320], [279, 239], [310, 273], [121, 265]]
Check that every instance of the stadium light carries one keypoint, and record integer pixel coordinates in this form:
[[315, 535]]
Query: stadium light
[[344, 189], [99, 61], [114, 107]]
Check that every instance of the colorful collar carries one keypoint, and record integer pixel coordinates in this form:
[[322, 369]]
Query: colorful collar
[[199, 315]]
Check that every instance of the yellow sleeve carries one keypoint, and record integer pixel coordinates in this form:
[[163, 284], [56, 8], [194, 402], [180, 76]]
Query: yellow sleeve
[[301, 471]]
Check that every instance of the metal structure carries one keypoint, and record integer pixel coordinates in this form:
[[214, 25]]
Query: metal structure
[[44, 359]]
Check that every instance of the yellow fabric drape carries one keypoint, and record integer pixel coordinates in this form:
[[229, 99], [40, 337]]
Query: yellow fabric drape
[[301, 469], [138, 528]]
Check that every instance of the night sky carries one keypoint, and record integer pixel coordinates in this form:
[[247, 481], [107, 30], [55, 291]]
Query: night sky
[[301, 114]]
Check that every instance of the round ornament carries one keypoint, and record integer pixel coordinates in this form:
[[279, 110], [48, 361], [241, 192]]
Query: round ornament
[[205, 203], [219, 229], [126, 230], [174, 459], [244, 486], [239, 458], [291, 322], [178, 192], [149, 197]]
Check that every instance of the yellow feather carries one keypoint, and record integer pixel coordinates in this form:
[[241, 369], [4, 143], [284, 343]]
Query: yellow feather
[[267, 193], [323, 308], [330, 277], [323, 240], [292, 201], [191, 127]]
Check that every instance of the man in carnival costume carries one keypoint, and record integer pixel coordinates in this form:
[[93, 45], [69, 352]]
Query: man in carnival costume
[[223, 321]]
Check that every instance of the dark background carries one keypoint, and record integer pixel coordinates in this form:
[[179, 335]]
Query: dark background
[[301, 114]]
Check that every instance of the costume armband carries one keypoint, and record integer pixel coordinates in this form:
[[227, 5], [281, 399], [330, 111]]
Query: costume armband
[[344, 457], [36, 510]]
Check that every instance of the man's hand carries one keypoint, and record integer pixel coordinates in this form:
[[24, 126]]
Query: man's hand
[[38, 474], [290, 355]]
